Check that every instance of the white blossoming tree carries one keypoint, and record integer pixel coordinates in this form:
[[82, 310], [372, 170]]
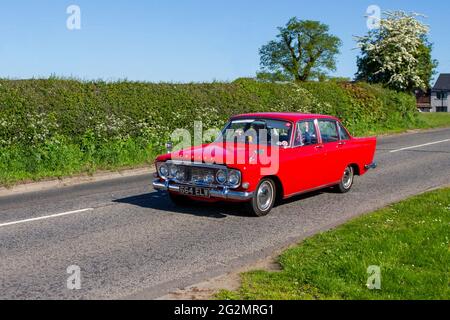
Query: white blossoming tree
[[397, 54]]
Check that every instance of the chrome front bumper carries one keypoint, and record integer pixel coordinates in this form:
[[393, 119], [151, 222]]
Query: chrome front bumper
[[224, 193]]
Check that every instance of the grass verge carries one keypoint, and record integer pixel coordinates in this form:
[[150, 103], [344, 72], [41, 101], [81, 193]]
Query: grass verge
[[64, 159], [409, 241], [434, 120]]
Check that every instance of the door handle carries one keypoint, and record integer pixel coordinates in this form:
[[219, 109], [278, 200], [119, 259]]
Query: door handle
[[319, 147]]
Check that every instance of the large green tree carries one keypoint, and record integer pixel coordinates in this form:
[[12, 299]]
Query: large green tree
[[397, 54], [303, 50]]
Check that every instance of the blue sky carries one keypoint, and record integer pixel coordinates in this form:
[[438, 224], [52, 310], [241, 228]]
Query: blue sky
[[179, 41]]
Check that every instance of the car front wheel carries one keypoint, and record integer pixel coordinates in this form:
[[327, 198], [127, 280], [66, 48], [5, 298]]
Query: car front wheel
[[263, 199], [347, 180]]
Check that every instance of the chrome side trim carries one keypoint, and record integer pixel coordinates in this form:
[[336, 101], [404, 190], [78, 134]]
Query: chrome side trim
[[224, 193], [312, 190]]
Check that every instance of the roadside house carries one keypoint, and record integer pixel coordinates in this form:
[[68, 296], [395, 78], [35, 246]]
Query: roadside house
[[440, 94], [423, 99]]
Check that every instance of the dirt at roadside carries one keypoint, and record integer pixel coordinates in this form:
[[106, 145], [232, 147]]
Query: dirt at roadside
[[230, 281]]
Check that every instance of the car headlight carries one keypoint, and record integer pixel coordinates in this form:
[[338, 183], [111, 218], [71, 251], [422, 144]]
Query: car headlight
[[234, 178], [221, 176], [163, 170], [180, 175], [173, 170]]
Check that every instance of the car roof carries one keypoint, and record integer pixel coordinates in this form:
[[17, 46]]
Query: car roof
[[287, 116]]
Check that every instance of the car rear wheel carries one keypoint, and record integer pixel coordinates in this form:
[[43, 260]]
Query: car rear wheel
[[347, 180], [263, 199]]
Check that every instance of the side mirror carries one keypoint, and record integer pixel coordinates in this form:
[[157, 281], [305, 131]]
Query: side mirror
[[169, 147]]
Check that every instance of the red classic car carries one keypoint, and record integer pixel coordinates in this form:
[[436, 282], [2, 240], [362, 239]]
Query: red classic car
[[262, 158]]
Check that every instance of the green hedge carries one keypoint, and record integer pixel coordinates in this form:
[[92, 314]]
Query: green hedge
[[57, 127]]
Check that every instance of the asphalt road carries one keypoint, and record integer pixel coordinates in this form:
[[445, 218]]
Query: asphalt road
[[130, 241]]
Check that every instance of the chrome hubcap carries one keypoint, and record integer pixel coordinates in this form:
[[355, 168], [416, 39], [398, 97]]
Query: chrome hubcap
[[265, 196], [347, 179]]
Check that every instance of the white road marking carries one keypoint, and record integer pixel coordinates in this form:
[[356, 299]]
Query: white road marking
[[419, 146], [45, 217]]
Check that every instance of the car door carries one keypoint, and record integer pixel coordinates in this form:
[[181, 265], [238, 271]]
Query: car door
[[332, 156], [305, 159], [344, 147]]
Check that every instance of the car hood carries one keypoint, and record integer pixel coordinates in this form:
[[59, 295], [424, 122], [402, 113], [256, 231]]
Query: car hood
[[219, 153]]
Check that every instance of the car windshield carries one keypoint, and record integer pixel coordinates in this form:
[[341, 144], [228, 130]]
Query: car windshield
[[258, 131]]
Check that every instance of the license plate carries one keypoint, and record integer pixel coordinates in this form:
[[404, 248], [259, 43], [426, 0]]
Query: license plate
[[195, 192]]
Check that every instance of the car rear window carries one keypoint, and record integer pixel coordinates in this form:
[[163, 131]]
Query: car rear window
[[328, 131], [343, 134]]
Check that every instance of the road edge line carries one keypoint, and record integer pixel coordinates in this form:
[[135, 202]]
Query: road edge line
[[54, 184]]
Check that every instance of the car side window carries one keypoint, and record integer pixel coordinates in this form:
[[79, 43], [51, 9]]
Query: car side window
[[328, 131], [343, 134], [305, 134]]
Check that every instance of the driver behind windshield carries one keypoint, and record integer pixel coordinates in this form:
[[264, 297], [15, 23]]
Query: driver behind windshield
[[252, 131]]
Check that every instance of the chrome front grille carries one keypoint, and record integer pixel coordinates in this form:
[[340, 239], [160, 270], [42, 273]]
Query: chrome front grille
[[200, 174], [197, 175]]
